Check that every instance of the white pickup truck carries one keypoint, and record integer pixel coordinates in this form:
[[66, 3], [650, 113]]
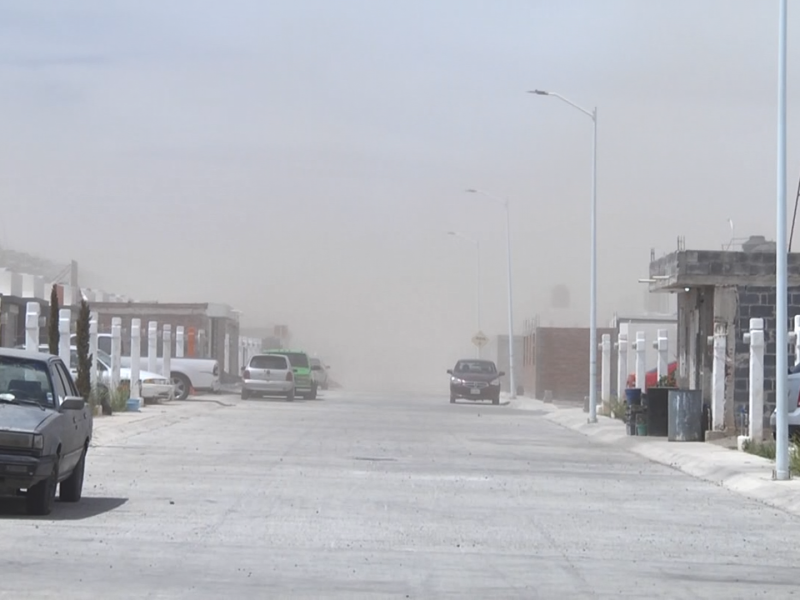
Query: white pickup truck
[[202, 374]]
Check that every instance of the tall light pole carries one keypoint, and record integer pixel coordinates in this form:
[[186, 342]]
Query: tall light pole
[[781, 259], [478, 273], [592, 114], [511, 379]]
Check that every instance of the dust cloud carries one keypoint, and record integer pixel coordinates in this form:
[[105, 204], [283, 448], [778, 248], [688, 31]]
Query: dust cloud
[[303, 161]]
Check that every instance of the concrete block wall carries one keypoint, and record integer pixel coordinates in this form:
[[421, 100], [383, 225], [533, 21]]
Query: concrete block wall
[[759, 302]]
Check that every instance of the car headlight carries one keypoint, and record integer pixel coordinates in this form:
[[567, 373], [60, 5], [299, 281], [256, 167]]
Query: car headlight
[[16, 439], [156, 381], [495, 382], [456, 381]]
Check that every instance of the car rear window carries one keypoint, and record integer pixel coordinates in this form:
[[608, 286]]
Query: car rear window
[[268, 362], [298, 359]]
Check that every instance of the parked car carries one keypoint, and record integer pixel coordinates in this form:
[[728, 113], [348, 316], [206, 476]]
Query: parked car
[[319, 373], [792, 404], [474, 379], [268, 375], [202, 374], [45, 430], [301, 368], [154, 386]]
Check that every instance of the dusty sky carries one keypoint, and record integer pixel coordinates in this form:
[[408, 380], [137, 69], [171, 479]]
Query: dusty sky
[[303, 160]]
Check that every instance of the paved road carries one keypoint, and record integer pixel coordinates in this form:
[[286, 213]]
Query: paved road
[[389, 497]]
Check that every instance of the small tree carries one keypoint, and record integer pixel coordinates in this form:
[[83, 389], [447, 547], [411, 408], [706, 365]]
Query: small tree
[[53, 336], [84, 380]]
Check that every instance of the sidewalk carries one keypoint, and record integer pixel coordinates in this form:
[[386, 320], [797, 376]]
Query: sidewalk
[[122, 425], [740, 472]]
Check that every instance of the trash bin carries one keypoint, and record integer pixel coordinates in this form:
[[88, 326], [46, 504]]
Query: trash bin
[[685, 422], [658, 411], [633, 396]]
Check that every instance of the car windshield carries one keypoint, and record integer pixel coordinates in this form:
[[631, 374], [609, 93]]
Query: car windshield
[[476, 366], [103, 360], [25, 380], [268, 362]]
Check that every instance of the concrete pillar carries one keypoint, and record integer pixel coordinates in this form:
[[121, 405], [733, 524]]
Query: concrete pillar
[[166, 362], [662, 346], [227, 353], [64, 326], [152, 346], [605, 373], [93, 348], [797, 340], [32, 327], [622, 365], [136, 352], [755, 337], [10, 283], [180, 341], [719, 342], [116, 352], [641, 360]]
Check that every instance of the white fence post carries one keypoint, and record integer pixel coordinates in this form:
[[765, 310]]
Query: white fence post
[[166, 363], [64, 345], [662, 346], [32, 327], [93, 348], [797, 340], [180, 341], [136, 356], [152, 346], [227, 353], [622, 365], [641, 358], [756, 340], [116, 352], [605, 373], [719, 342]]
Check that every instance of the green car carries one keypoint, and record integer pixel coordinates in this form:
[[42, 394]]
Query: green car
[[304, 384]]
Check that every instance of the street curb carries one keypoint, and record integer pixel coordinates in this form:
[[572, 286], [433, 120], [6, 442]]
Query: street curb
[[743, 473]]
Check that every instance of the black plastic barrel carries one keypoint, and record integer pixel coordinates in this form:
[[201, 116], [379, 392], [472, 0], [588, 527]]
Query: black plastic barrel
[[633, 396], [658, 411], [685, 416]]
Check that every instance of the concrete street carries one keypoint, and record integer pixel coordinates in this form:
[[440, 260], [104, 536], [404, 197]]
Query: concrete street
[[360, 496]]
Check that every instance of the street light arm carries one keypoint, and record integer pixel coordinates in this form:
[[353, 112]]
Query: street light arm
[[589, 113], [463, 237], [489, 196]]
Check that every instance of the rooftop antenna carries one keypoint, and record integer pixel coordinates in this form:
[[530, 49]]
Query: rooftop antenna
[[733, 237], [794, 216]]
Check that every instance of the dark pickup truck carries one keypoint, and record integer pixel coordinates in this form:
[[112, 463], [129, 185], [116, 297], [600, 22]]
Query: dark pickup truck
[[45, 430]]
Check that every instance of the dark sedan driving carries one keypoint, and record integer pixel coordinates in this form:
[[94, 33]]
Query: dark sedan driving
[[475, 379]]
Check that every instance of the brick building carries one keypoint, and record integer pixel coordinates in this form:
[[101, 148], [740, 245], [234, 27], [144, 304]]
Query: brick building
[[557, 359], [725, 289], [214, 327]]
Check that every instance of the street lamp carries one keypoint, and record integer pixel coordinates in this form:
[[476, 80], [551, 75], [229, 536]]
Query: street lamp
[[478, 292], [593, 269], [505, 203], [781, 276]]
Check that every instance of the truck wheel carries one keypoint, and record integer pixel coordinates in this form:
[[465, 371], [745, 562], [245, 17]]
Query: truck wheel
[[313, 394], [290, 396], [452, 399], [40, 498], [72, 486], [182, 386]]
